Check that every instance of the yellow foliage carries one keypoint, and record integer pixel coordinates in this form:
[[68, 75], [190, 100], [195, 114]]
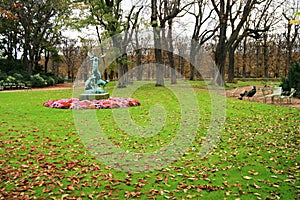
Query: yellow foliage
[[294, 21]]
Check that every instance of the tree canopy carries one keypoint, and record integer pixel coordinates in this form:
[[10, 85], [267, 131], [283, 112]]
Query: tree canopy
[[30, 28], [242, 36]]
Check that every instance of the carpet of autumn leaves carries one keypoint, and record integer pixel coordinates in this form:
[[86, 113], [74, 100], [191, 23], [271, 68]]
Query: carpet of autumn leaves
[[42, 156]]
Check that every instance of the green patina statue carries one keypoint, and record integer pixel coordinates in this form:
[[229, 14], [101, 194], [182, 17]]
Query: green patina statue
[[95, 84]]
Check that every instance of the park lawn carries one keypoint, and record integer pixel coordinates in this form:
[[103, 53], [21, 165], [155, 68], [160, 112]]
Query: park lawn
[[42, 155]]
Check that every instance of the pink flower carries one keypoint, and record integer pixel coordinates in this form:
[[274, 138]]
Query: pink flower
[[75, 103]]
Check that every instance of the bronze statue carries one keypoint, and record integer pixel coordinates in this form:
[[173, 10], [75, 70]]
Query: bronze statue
[[93, 83]]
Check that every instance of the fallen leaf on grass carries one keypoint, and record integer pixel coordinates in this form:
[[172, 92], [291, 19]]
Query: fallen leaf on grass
[[71, 187], [226, 184], [256, 186], [247, 177], [64, 196], [257, 194]]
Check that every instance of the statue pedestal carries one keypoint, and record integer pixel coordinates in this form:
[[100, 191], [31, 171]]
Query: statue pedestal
[[94, 96]]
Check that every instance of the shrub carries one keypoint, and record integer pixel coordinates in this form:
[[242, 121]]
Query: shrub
[[60, 79], [50, 81], [38, 81], [293, 79], [9, 65], [10, 79], [3, 76], [18, 76], [284, 84]]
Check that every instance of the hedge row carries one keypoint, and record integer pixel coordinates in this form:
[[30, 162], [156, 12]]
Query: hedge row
[[37, 80]]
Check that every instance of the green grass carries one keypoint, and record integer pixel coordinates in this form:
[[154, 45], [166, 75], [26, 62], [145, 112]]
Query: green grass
[[42, 155]]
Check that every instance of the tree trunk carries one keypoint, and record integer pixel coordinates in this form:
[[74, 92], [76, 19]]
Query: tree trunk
[[69, 72], [266, 57], [220, 58], [47, 58], [120, 62], [289, 50], [149, 71], [125, 67], [192, 59], [231, 65], [158, 59], [139, 58], [170, 53], [244, 57], [139, 63], [221, 50], [121, 83], [157, 45], [278, 55]]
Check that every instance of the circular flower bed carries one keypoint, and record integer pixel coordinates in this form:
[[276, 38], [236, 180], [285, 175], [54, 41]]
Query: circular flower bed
[[75, 103]]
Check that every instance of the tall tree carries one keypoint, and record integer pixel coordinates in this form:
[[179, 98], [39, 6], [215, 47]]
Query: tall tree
[[39, 21], [200, 37], [71, 54], [236, 12], [9, 29], [266, 18], [157, 44], [291, 32], [108, 16], [162, 14]]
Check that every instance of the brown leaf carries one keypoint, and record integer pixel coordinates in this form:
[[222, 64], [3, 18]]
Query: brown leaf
[[64, 196], [226, 184], [45, 190], [158, 178], [247, 177], [71, 187]]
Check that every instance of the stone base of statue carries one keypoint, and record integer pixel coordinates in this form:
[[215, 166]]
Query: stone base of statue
[[94, 96]]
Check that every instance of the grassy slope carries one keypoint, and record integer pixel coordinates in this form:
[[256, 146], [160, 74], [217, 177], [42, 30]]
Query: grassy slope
[[42, 155]]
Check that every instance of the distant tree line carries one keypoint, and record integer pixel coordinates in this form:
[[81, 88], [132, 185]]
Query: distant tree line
[[245, 38]]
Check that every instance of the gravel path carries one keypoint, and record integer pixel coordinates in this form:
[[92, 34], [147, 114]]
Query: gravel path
[[258, 97]]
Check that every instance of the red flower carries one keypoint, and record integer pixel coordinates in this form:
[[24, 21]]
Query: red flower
[[74, 103]]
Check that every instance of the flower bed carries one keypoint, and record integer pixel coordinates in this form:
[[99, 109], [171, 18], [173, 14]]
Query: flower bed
[[75, 103]]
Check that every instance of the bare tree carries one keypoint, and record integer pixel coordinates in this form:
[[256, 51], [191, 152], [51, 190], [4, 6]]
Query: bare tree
[[267, 18], [237, 13], [109, 16], [70, 52], [291, 32], [157, 44], [164, 11], [183, 49], [199, 37]]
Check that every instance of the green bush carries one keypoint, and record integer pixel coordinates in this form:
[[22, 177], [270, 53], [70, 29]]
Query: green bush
[[3, 76], [50, 81], [10, 79], [47, 79], [8, 65], [18, 76], [293, 79], [38, 81], [284, 84], [60, 80]]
